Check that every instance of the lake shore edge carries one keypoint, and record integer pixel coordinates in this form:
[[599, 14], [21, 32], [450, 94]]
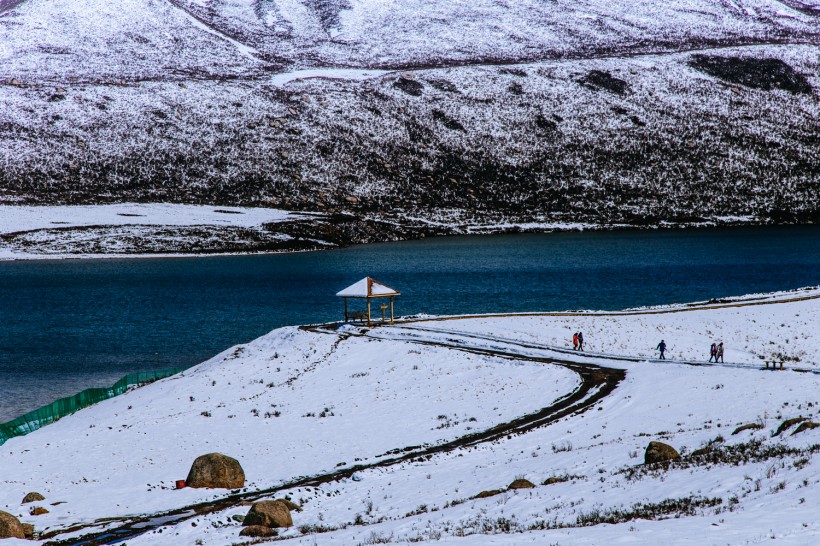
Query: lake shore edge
[[162, 230]]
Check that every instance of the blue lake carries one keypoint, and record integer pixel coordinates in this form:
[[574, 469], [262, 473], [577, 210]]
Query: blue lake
[[72, 324]]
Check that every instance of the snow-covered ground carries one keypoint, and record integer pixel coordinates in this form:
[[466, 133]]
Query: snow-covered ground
[[302, 402], [30, 232]]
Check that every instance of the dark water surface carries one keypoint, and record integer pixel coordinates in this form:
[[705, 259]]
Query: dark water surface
[[72, 324]]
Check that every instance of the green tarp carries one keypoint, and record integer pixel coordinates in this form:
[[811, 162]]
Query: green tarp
[[66, 406]]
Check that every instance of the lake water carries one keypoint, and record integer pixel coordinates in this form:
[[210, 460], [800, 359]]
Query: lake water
[[68, 325]]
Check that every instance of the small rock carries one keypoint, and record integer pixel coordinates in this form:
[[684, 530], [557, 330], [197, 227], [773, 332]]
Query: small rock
[[351, 199], [38, 511], [59, 90], [808, 425], [33, 497], [750, 426], [10, 527], [702, 452], [269, 514], [521, 483], [550, 481], [28, 530], [489, 493], [788, 423], [17, 82], [239, 518], [258, 531], [657, 452], [217, 471]]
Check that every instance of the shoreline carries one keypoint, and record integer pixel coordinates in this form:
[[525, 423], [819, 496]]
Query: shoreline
[[745, 300], [216, 231]]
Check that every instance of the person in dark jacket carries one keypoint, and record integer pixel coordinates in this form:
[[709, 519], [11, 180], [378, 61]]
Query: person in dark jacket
[[580, 341], [719, 352], [713, 352], [662, 348]]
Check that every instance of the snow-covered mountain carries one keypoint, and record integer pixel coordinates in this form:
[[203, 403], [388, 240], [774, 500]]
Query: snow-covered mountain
[[463, 113]]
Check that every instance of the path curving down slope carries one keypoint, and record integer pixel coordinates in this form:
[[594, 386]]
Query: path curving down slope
[[596, 383]]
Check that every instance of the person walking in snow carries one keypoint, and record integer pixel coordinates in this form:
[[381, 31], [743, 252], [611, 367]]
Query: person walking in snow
[[719, 352], [575, 341], [662, 348], [713, 352], [580, 341]]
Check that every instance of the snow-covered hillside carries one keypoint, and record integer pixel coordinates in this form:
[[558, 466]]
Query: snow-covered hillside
[[457, 113], [388, 434], [129, 229]]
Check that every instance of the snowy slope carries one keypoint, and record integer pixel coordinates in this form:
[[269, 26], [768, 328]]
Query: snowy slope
[[288, 404], [129, 229], [351, 396], [469, 114], [64, 41]]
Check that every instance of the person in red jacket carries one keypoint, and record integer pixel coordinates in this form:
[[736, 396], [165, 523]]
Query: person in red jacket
[[575, 341]]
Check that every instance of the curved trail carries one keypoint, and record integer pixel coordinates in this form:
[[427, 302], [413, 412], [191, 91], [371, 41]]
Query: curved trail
[[596, 383]]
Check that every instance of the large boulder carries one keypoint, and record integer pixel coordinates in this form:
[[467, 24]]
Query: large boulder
[[658, 452], [268, 514], [10, 527], [33, 497], [216, 470]]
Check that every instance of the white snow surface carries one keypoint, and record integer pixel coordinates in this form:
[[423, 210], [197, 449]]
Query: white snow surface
[[20, 218], [281, 80], [417, 382], [366, 287]]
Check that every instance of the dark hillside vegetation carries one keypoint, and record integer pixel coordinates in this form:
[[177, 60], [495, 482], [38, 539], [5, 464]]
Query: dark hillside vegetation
[[567, 124]]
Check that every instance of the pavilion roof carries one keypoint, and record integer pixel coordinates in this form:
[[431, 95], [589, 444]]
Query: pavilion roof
[[367, 288]]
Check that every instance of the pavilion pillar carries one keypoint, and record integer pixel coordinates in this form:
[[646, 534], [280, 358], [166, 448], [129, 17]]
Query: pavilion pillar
[[368, 311], [391, 309]]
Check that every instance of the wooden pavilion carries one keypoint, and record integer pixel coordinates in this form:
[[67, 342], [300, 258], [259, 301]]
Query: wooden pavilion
[[368, 289]]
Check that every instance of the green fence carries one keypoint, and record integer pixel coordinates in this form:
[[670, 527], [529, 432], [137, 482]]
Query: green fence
[[65, 406]]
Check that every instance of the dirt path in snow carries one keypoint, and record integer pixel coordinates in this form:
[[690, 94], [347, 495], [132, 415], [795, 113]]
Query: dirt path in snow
[[597, 382]]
